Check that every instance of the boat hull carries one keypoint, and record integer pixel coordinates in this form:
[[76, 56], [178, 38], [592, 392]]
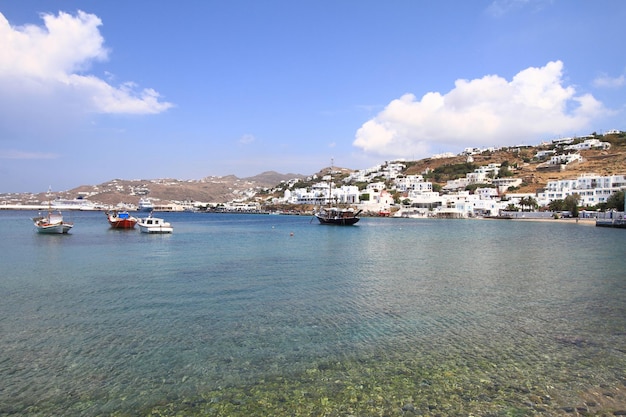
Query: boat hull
[[59, 228], [53, 223], [154, 225], [123, 224], [349, 221], [334, 216], [121, 220], [155, 229]]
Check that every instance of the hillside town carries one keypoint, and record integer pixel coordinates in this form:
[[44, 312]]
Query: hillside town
[[486, 191], [457, 187]]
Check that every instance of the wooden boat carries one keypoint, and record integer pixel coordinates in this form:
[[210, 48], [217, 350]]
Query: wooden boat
[[52, 223], [154, 225], [334, 215], [121, 219], [338, 216]]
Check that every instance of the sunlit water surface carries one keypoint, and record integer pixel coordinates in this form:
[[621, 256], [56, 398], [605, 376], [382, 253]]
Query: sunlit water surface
[[231, 312]]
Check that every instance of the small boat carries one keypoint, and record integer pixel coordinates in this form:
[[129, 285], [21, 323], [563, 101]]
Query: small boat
[[121, 219], [338, 216], [154, 225], [52, 223]]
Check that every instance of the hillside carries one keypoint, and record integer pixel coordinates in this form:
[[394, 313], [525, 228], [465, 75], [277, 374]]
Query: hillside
[[602, 162], [228, 188], [209, 189]]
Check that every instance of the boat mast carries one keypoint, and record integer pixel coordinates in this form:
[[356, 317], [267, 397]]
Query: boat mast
[[330, 184]]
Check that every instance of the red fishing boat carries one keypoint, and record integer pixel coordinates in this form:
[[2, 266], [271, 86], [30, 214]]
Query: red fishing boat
[[121, 219]]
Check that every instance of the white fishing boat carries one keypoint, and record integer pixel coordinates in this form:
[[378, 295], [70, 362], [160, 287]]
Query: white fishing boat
[[154, 225], [52, 223]]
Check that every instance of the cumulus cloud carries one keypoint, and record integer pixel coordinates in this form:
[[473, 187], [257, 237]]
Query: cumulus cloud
[[487, 111], [48, 64], [606, 81]]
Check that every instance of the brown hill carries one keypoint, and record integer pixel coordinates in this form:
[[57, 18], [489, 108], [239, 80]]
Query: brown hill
[[208, 190], [532, 171]]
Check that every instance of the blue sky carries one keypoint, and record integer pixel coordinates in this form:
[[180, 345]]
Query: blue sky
[[91, 91]]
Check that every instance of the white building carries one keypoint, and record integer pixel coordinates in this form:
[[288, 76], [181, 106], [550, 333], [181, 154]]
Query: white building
[[503, 184], [481, 175], [320, 194], [565, 159], [412, 182], [376, 186], [591, 188], [544, 154], [458, 184], [378, 200], [589, 144]]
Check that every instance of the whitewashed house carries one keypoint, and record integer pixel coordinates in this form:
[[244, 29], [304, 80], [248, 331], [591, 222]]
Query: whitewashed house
[[378, 200], [565, 159], [589, 144], [503, 184], [545, 153], [412, 182], [591, 188], [320, 194]]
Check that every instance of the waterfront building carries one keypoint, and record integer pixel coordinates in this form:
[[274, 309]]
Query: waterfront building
[[320, 194]]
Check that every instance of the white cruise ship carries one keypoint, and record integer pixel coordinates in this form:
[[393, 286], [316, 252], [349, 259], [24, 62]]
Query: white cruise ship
[[145, 205]]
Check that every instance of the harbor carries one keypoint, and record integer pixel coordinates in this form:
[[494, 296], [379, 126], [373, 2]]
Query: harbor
[[276, 315]]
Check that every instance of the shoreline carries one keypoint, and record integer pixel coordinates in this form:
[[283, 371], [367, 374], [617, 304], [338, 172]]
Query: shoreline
[[577, 220]]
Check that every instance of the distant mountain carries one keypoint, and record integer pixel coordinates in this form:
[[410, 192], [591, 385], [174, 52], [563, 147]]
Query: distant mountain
[[272, 178]]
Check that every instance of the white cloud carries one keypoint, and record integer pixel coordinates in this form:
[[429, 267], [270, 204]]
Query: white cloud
[[49, 63], [12, 154], [247, 139], [609, 82], [487, 111], [499, 8]]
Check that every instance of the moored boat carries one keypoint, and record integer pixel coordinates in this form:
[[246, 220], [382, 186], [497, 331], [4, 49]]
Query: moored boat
[[154, 225], [145, 205], [52, 223], [335, 215], [121, 219], [338, 216]]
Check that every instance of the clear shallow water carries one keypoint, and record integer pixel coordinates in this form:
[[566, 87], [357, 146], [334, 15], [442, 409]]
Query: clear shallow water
[[271, 315]]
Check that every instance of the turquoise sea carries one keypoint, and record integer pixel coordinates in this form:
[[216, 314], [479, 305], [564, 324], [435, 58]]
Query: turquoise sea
[[260, 315]]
